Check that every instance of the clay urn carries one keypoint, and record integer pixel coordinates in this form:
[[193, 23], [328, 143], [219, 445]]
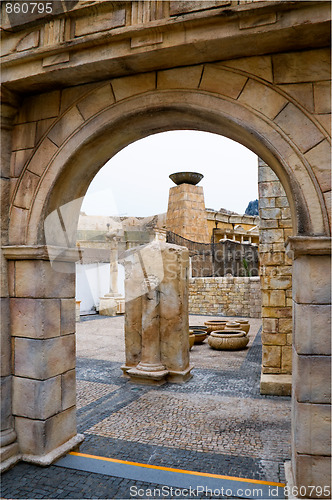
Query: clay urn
[[228, 340]]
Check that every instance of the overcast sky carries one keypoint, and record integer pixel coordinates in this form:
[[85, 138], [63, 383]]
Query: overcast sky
[[135, 181]]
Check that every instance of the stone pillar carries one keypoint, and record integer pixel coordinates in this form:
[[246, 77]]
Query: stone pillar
[[42, 311], [276, 283], [9, 451], [186, 215], [311, 430], [156, 318], [109, 304]]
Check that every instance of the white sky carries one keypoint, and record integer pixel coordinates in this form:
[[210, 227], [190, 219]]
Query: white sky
[[135, 181]]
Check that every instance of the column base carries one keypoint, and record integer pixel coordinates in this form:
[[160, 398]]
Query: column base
[[111, 305], [180, 377], [276, 385], [9, 456], [147, 378], [53, 455]]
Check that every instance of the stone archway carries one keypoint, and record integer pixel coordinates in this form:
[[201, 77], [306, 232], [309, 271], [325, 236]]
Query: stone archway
[[61, 140]]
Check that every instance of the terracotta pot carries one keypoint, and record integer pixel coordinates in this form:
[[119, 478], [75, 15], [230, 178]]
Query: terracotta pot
[[230, 341], [215, 324], [200, 336], [245, 326], [233, 325], [191, 341]]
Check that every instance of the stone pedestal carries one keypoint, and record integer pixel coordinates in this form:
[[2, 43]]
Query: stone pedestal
[[156, 317], [186, 215], [311, 439]]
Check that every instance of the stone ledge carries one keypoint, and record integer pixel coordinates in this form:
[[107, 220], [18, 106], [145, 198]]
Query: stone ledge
[[276, 385], [49, 458], [41, 252], [308, 245]]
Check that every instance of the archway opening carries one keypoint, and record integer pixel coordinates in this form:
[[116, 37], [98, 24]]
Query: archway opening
[[132, 427]]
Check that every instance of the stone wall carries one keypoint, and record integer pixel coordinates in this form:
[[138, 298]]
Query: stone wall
[[226, 296], [276, 273]]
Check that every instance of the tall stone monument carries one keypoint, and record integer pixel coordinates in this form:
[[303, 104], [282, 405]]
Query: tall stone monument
[[186, 215]]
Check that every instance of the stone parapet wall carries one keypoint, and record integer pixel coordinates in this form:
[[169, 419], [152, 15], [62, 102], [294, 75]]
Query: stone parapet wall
[[226, 296]]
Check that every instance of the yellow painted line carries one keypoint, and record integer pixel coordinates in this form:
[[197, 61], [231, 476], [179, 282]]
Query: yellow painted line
[[182, 471]]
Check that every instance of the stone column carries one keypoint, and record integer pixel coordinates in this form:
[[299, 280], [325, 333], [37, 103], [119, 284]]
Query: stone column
[[311, 430], [156, 325], [42, 310], [109, 304], [9, 452]]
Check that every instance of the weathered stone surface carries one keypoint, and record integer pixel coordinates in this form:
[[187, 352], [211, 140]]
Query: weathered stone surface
[[5, 340], [42, 156], [314, 374], [320, 160], [97, 22], [258, 66], [273, 338], [174, 309], [42, 359], [276, 385], [96, 101], [68, 389], [186, 215], [311, 281], [27, 189], [6, 402], [38, 437], [302, 92], [18, 160], [299, 128], [312, 428], [19, 223], [68, 307], [262, 98], [322, 97], [272, 356], [312, 329], [36, 399], [38, 279], [40, 107], [179, 78], [299, 67], [286, 359], [216, 79], [35, 318], [131, 85], [311, 470], [24, 136], [274, 298], [225, 296], [66, 126]]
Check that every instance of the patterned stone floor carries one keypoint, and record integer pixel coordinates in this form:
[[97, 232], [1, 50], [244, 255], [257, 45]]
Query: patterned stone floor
[[217, 422]]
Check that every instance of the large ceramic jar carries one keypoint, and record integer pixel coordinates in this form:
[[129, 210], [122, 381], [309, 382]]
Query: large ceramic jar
[[191, 340], [233, 325], [230, 341], [200, 335], [215, 324], [245, 326]]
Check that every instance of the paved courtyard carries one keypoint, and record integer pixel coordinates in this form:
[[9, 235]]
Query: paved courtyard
[[216, 423]]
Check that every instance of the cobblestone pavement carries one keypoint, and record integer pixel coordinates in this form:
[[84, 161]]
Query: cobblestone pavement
[[216, 423]]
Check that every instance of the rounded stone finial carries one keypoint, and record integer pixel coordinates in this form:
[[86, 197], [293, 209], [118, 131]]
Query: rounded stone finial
[[186, 178]]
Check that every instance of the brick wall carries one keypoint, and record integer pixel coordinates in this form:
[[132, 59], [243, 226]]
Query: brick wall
[[226, 296]]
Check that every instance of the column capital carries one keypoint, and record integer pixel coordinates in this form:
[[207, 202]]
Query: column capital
[[297, 246]]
